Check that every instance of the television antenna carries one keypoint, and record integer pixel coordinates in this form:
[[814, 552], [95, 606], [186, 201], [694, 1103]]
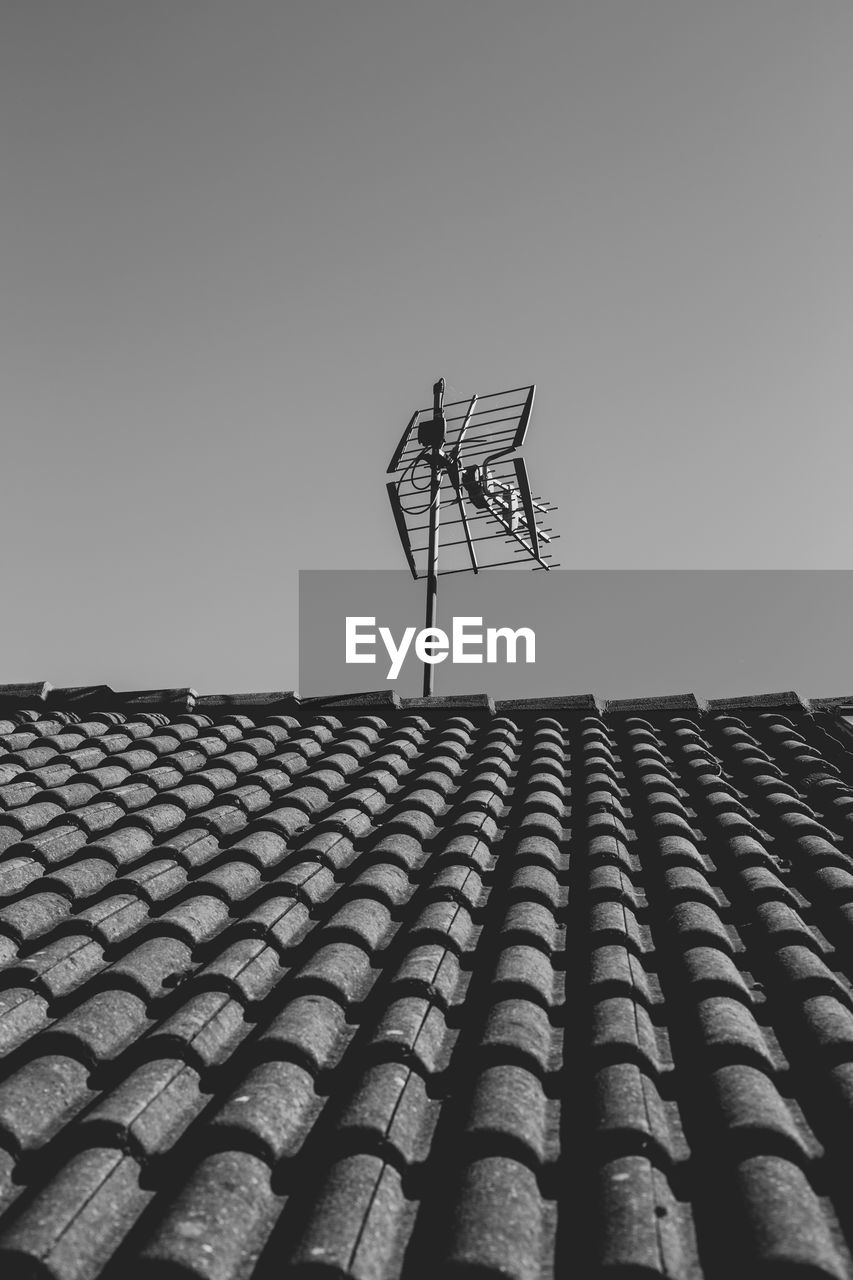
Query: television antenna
[[464, 456]]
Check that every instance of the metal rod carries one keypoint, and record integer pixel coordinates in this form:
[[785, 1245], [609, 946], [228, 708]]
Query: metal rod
[[478, 442], [506, 462], [525, 419], [512, 533], [485, 537], [404, 440], [464, 427], [464, 518], [504, 433], [493, 395], [400, 521], [481, 428], [443, 573], [410, 492], [434, 518], [485, 515]]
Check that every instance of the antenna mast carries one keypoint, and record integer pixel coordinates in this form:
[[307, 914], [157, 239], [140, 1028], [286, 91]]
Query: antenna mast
[[495, 488], [432, 436]]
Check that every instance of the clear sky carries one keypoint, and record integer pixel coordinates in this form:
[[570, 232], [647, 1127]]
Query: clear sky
[[238, 243]]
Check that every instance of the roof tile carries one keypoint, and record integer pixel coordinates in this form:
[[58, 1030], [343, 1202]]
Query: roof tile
[[39, 1098], [498, 1221], [148, 1111], [75, 1224], [218, 1223], [268, 1113], [343, 950]]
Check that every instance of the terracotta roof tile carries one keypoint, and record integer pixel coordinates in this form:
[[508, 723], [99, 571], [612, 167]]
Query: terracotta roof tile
[[370, 987]]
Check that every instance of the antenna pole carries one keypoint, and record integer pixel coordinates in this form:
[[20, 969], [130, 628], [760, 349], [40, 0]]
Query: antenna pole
[[432, 569], [436, 462]]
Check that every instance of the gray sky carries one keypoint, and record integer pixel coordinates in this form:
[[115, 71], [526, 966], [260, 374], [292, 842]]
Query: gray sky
[[238, 243], [629, 633]]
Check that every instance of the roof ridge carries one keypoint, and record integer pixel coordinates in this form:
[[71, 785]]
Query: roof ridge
[[104, 697]]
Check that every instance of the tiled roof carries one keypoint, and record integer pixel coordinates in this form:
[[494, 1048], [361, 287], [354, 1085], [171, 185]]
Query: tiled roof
[[375, 989]]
